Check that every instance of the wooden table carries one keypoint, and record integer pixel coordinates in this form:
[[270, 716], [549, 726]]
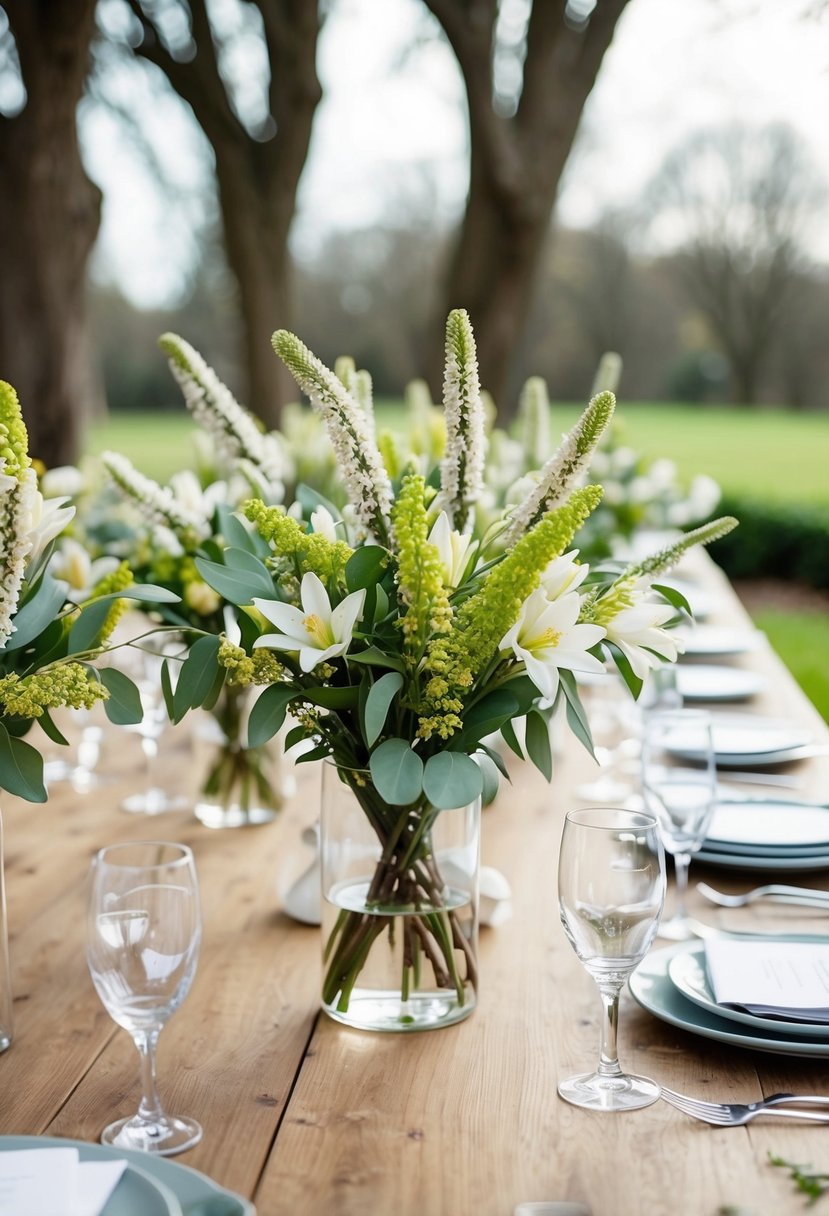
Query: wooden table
[[308, 1117]]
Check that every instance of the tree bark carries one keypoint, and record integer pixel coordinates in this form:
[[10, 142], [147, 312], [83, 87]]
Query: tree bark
[[49, 218], [515, 165], [257, 180]]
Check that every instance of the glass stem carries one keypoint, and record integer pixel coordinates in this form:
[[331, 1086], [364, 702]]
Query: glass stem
[[150, 1107], [149, 745], [682, 861], [609, 1058]]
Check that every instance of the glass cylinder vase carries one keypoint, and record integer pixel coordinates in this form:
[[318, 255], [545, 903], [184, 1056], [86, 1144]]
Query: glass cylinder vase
[[399, 907], [5, 974], [238, 785]]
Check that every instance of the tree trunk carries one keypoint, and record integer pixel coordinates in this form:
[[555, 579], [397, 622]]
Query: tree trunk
[[49, 217], [516, 165]]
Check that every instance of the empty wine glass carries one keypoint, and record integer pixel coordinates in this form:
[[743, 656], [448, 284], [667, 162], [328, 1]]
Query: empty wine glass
[[144, 930], [611, 887], [143, 663], [679, 787], [606, 701]]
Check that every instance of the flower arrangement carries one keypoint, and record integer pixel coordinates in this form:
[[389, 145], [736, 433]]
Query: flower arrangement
[[49, 634], [400, 641]]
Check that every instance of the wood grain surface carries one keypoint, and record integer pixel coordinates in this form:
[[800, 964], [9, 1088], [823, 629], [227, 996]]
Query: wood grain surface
[[310, 1118]]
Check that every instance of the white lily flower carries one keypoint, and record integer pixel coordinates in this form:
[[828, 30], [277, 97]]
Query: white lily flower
[[453, 548], [49, 516], [564, 574], [316, 631], [322, 522], [637, 630], [546, 638], [63, 481], [72, 564]]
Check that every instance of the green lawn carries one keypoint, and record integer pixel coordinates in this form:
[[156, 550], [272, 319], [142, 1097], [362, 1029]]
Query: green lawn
[[158, 444], [802, 641]]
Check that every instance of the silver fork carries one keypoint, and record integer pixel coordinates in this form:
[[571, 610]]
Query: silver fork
[[734, 1114], [776, 892]]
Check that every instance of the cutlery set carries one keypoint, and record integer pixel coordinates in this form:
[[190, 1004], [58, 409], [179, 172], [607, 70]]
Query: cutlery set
[[809, 1107]]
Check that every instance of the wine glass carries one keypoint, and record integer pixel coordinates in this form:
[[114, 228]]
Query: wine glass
[[605, 703], [679, 787], [611, 888], [143, 663], [144, 929]]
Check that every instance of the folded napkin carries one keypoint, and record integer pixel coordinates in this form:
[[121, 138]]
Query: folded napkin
[[771, 979], [55, 1182]]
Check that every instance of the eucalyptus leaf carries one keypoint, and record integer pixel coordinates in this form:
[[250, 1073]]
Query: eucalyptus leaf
[[309, 499], [236, 586], [397, 772], [451, 779], [496, 758], [123, 706], [39, 610], [196, 677], [268, 713], [167, 689], [86, 631], [249, 563], [233, 530], [538, 743], [379, 699], [491, 778], [21, 768]]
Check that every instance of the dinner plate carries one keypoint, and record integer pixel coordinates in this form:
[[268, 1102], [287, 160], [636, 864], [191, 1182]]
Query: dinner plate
[[743, 740], [762, 862], [651, 986], [688, 973], [718, 640], [700, 600], [769, 826], [708, 682], [177, 1184]]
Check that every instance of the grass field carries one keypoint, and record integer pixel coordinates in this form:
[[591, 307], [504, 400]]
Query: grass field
[[765, 454], [802, 641]]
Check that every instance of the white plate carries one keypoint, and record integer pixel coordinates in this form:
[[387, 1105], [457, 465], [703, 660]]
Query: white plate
[[718, 639], [769, 824], [745, 739], [688, 974], [760, 862], [706, 682], [187, 1185], [651, 986]]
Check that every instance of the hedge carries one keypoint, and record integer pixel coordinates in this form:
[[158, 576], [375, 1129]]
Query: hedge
[[775, 540]]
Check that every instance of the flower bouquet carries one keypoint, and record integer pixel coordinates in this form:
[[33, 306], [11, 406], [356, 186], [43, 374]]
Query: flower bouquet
[[400, 643]]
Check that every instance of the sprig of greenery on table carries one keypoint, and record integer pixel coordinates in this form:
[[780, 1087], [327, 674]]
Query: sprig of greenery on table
[[811, 1182]]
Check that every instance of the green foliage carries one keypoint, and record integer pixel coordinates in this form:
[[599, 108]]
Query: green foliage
[[397, 772], [777, 541], [802, 641]]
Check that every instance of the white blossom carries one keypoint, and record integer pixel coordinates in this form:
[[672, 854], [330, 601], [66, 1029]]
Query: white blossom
[[462, 468], [324, 524], [454, 550], [157, 503], [547, 638], [316, 631], [16, 509], [563, 575], [72, 564]]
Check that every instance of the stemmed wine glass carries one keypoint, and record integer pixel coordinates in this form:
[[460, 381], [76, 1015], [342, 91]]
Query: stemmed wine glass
[[679, 787], [144, 930], [144, 663], [606, 704], [611, 888]]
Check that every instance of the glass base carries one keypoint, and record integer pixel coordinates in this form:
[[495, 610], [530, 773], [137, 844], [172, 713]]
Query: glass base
[[162, 1138], [596, 1092], [5, 1039], [370, 1009], [214, 815], [153, 802], [677, 929]]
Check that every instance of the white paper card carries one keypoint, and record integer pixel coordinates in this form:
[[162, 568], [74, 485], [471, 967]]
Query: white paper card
[[787, 980], [55, 1182]]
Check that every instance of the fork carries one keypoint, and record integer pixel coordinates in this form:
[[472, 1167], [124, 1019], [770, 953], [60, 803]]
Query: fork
[[776, 892], [734, 1114]]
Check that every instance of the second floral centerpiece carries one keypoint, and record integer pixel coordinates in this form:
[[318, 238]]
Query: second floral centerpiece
[[400, 641]]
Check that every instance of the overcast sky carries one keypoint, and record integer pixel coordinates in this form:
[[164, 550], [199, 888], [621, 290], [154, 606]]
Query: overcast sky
[[390, 135]]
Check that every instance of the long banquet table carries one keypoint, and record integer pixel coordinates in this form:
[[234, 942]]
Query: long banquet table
[[307, 1117]]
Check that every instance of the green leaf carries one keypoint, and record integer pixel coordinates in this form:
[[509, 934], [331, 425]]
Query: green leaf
[[538, 743], [378, 701], [167, 689], [397, 772], [21, 768], [452, 779], [145, 593], [374, 657], [675, 598], [365, 567], [309, 499], [525, 693], [268, 714], [297, 734], [316, 753], [491, 780], [196, 676], [497, 759], [334, 698], [576, 716], [511, 739], [625, 670], [249, 563], [381, 604], [233, 530], [38, 612], [123, 706], [236, 586], [488, 714], [48, 727]]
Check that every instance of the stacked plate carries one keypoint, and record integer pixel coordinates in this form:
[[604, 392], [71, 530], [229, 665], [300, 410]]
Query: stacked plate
[[673, 985], [710, 682], [768, 835], [748, 741]]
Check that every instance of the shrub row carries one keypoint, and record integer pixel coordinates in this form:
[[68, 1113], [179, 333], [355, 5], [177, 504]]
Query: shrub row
[[775, 540]]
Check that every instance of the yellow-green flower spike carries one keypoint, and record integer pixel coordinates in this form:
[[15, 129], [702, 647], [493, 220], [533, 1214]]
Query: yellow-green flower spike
[[14, 439]]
